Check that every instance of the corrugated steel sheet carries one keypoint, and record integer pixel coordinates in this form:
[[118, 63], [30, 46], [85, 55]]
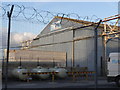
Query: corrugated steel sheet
[[83, 49]]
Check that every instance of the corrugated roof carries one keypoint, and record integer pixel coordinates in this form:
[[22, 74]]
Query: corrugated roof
[[82, 21], [79, 21], [74, 20], [86, 23]]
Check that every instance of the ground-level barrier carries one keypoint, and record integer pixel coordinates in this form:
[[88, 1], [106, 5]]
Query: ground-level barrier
[[85, 74]]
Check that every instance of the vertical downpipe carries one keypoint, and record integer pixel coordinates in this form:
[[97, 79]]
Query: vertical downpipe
[[96, 53]]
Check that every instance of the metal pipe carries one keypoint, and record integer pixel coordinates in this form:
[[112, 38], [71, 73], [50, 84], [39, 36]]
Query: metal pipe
[[38, 62], [72, 59], [75, 39], [96, 50], [111, 19], [73, 54], [104, 55], [66, 60], [20, 62]]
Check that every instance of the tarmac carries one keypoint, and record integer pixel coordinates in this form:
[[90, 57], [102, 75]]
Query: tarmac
[[62, 83]]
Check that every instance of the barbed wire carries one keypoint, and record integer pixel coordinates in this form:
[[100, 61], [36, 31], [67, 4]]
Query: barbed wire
[[32, 14]]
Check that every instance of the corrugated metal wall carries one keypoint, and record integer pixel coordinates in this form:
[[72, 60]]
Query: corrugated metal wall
[[83, 49], [56, 38], [113, 46]]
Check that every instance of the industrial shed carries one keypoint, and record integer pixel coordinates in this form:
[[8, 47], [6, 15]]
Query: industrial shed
[[32, 58], [62, 34]]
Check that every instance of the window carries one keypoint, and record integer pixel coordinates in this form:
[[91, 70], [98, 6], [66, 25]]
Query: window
[[109, 59], [55, 25]]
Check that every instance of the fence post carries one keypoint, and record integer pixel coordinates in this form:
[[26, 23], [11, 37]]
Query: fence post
[[53, 76], [73, 74], [28, 77], [86, 75]]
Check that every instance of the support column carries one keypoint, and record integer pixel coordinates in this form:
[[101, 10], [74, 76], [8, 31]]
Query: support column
[[72, 54], [104, 62]]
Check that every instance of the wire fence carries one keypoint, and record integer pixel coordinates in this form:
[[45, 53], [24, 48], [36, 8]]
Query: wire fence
[[33, 15], [22, 13]]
